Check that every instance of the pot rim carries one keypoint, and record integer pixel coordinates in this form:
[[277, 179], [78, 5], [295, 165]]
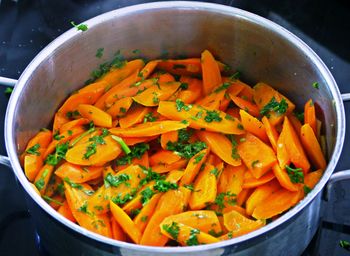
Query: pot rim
[[217, 8]]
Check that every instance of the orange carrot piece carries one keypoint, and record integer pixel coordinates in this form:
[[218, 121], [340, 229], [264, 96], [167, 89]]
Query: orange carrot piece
[[210, 72], [164, 157], [312, 178], [221, 146], [205, 188], [120, 107], [243, 196], [163, 77], [194, 166], [251, 182], [283, 178], [213, 99], [142, 219], [125, 223], [174, 176], [250, 151], [149, 129], [282, 154], [312, 147], [135, 115], [65, 211], [117, 231], [78, 174], [168, 137], [143, 161], [72, 124], [260, 194], [171, 202], [295, 122], [43, 138], [104, 153], [58, 121], [246, 105], [253, 125], [234, 112], [199, 117], [310, 115], [278, 202], [239, 225], [42, 178], [32, 165], [270, 132], [162, 168], [231, 179], [294, 148], [98, 88], [136, 202], [193, 92], [99, 117], [131, 141]]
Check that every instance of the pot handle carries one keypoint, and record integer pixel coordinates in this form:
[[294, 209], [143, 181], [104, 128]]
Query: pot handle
[[4, 160], [4, 81], [341, 175]]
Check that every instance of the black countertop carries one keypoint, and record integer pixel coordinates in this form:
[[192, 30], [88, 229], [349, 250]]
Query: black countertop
[[27, 26]]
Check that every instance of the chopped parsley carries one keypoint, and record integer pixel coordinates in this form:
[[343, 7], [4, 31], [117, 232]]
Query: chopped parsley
[[73, 184], [189, 186], [296, 175], [180, 105], [172, 229], [122, 200], [91, 149], [155, 98], [300, 116], [164, 186], [228, 197], [222, 87], [83, 208], [198, 158], [116, 180], [215, 234], [136, 152], [72, 114], [184, 86], [40, 184], [82, 27], [146, 195], [211, 116], [193, 240], [134, 212], [186, 150], [149, 117], [254, 163], [99, 53], [234, 153], [122, 143], [144, 218], [316, 85], [8, 90], [34, 150], [307, 190], [150, 175], [344, 244], [51, 200], [60, 153], [278, 107], [215, 172], [57, 136], [235, 76]]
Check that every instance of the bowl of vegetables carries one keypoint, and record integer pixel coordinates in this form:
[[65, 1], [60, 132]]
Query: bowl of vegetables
[[175, 128]]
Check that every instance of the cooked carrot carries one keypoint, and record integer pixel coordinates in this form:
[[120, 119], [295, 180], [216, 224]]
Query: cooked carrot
[[312, 147], [136, 202], [92, 153], [98, 88], [168, 137], [283, 178], [120, 107], [142, 219], [210, 72], [278, 202], [250, 151], [282, 154], [135, 115], [243, 196], [253, 125], [72, 124], [246, 105], [205, 188], [295, 122], [163, 168], [312, 178], [164, 157], [294, 148], [58, 121], [99, 117], [32, 165], [193, 92], [163, 77], [221, 146], [65, 211], [117, 231], [231, 179], [174, 176], [43, 138], [199, 117], [42, 178], [310, 115], [251, 182], [260, 194], [125, 223], [78, 174], [233, 111], [213, 99], [193, 166], [149, 129], [239, 225], [270, 132]]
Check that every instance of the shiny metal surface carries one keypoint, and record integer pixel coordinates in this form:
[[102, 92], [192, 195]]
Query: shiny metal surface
[[5, 161], [261, 49], [4, 81]]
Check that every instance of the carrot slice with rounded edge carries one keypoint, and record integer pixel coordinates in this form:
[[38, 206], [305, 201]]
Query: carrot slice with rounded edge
[[283, 178], [136, 202], [194, 166], [250, 151], [213, 99], [205, 189], [98, 88], [239, 225], [270, 132], [104, 153], [32, 165], [72, 124], [78, 174], [231, 179], [96, 115], [42, 178], [251, 182], [260, 194], [204, 220], [293, 146], [43, 138], [282, 154], [152, 95], [135, 115], [58, 121], [65, 211], [168, 137], [253, 125], [162, 168], [142, 219], [313, 148], [171, 202], [312, 178], [120, 107], [164, 157], [221, 146], [117, 231], [210, 72], [163, 77], [200, 117], [149, 129], [310, 115], [278, 202], [193, 92], [125, 222], [246, 105]]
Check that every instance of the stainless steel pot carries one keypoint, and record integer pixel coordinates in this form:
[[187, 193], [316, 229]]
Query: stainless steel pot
[[261, 49]]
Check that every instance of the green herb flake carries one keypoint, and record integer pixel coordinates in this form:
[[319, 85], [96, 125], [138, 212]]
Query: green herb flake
[[180, 105], [99, 53], [235, 76], [193, 240], [149, 117], [134, 212], [222, 87], [122, 143], [117, 180], [72, 184], [82, 27], [40, 184], [300, 116], [60, 153], [83, 208], [186, 150], [316, 85], [136, 51], [122, 200], [51, 200], [184, 86], [211, 116], [172, 229], [164, 186], [91, 149], [155, 98], [8, 91], [307, 190], [254, 163], [56, 136], [229, 234], [278, 107], [144, 218], [227, 197], [135, 152], [240, 126], [296, 175], [344, 244], [72, 114], [198, 158], [146, 195], [229, 117], [215, 172], [34, 150], [213, 233], [189, 186]]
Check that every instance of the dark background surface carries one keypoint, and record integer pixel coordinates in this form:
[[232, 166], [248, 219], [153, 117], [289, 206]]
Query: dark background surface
[[27, 26]]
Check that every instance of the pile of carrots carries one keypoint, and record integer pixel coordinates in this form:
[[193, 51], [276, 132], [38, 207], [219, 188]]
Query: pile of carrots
[[172, 152]]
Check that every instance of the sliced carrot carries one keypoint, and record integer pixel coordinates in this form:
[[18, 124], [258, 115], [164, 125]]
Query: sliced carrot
[[43, 138], [295, 122], [253, 125], [99, 117], [200, 117], [239, 225], [120, 107], [125, 222], [164, 157], [142, 219], [246, 105], [250, 151], [260, 194], [312, 178], [282, 154], [205, 188], [312, 147], [174, 176], [231, 179], [117, 231], [283, 178], [234, 112], [310, 115], [243, 196], [210, 72], [251, 182], [136, 202], [149, 129], [131, 141], [163, 77], [270, 132], [58, 121], [213, 99], [42, 178], [72, 124], [78, 174], [65, 211], [168, 137], [98, 88], [32, 165], [194, 166], [136, 115], [162, 168], [193, 92]]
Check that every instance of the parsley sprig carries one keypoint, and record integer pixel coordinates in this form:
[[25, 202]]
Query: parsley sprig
[[278, 107], [296, 175], [34, 150]]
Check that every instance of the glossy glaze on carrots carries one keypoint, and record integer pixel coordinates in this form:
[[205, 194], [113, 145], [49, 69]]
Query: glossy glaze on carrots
[[173, 152]]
